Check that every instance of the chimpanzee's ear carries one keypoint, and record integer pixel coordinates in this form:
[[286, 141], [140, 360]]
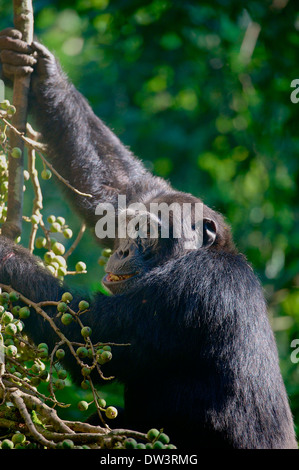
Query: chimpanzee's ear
[[209, 232]]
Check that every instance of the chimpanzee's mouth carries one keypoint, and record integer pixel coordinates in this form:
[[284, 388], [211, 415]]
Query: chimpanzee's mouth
[[113, 278]]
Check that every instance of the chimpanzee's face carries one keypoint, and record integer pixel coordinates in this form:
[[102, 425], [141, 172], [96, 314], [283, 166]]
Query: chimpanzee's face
[[131, 259], [148, 245]]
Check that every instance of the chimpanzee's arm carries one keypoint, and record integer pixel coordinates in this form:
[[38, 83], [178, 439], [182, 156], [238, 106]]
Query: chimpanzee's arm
[[24, 273], [82, 149], [117, 319]]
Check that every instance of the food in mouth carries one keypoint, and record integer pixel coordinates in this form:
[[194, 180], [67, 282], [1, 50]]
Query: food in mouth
[[111, 277]]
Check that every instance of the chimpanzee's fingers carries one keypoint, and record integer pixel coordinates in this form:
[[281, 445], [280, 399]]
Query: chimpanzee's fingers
[[12, 32], [14, 58], [41, 50], [16, 45], [13, 70]]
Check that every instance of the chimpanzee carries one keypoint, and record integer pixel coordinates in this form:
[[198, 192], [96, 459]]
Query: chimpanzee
[[202, 362]]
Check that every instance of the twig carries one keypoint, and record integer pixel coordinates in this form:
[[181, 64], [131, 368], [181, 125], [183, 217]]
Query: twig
[[18, 401], [2, 366], [41, 312], [38, 199], [75, 244], [55, 430], [79, 438], [63, 338], [78, 426], [126, 432], [249, 42], [26, 398], [44, 410], [94, 394], [74, 273], [29, 387], [12, 425]]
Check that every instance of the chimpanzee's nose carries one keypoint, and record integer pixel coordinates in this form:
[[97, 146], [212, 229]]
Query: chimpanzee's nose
[[123, 254], [130, 250]]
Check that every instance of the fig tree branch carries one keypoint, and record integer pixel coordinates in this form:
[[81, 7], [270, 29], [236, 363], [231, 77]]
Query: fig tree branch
[[12, 228]]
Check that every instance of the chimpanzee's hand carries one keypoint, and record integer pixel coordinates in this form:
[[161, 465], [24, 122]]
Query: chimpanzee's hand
[[8, 253], [19, 58], [8, 248]]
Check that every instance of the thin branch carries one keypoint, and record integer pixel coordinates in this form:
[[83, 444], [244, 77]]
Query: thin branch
[[18, 401], [75, 243], [44, 410], [78, 426], [38, 197], [2, 366], [249, 41], [63, 338], [41, 312]]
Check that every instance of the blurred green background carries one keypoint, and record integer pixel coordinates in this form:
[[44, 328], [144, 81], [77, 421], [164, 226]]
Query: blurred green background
[[201, 93]]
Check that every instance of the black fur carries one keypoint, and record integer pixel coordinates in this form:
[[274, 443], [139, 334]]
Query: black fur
[[203, 361]]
